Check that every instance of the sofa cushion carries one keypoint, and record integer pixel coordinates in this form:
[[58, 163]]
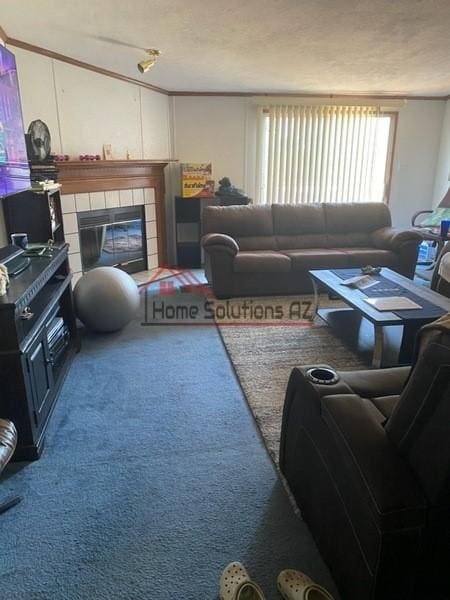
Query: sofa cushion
[[307, 240], [360, 257], [261, 262], [317, 258], [294, 220], [371, 383], [351, 239], [356, 216], [250, 226], [386, 404], [238, 221], [257, 242]]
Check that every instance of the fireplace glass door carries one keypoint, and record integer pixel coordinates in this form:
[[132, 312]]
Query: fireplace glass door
[[113, 238]]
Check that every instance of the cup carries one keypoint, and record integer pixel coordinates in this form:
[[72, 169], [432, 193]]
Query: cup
[[445, 226], [19, 239]]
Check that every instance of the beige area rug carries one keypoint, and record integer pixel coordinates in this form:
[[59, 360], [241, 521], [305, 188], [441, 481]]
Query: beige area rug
[[263, 356]]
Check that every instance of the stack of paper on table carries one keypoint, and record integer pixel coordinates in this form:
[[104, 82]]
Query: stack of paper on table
[[390, 303]]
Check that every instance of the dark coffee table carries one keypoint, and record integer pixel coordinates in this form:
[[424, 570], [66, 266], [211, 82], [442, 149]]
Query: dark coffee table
[[406, 323]]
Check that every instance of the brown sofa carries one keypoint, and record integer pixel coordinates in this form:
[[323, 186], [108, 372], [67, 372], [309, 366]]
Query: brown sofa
[[264, 250]]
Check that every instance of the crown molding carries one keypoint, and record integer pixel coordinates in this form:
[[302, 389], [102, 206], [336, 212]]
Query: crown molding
[[3, 36], [84, 65], [310, 95]]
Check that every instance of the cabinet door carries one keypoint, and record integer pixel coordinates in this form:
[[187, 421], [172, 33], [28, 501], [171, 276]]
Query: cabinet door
[[41, 378]]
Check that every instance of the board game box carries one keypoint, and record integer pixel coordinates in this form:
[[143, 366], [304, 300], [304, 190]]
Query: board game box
[[196, 180]]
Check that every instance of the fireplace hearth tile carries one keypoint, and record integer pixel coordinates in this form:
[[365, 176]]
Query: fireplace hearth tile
[[112, 199], [138, 197], [76, 277], [74, 243], [153, 261], [150, 212], [82, 202], [152, 231], [68, 203], [70, 223], [97, 200], [152, 246], [149, 196], [75, 262], [126, 197]]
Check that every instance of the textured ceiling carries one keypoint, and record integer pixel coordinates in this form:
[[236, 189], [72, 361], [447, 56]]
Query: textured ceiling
[[311, 46]]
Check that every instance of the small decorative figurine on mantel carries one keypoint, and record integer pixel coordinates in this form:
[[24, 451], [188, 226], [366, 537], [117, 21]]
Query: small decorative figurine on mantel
[[4, 279]]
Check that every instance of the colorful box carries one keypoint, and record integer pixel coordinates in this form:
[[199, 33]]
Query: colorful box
[[196, 180]]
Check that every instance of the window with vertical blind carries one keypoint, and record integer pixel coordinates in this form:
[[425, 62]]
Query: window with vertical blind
[[323, 154]]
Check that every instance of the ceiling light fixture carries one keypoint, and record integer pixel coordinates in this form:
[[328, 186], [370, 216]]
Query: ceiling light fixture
[[148, 63]]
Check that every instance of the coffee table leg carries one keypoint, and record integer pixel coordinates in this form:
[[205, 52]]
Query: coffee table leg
[[405, 355], [377, 357], [315, 306]]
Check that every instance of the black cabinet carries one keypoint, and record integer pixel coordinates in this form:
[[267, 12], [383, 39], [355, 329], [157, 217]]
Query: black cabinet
[[36, 213], [188, 218], [39, 366], [38, 341], [188, 212]]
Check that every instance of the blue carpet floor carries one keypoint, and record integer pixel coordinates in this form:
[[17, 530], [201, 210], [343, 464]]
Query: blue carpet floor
[[153, 478]]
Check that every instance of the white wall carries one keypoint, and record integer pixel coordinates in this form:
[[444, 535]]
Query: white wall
[[416, 154], [442, 182], [223, 130], [85, 110], [212, 129]]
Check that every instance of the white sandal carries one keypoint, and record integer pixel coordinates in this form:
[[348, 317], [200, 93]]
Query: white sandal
[[294, 585], [235, 584]]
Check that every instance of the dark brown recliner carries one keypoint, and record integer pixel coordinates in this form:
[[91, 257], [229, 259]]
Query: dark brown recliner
[[368, 461], [8, 442]]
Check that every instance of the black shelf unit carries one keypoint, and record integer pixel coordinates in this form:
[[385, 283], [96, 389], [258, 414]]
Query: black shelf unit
[[36, 213], [188, 218], [188, 212], [32, 366]]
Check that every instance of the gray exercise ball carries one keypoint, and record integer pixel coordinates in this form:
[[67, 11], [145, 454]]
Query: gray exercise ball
[[106, 299]]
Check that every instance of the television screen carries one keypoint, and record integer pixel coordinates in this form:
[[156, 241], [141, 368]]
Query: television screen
[[14, 169]]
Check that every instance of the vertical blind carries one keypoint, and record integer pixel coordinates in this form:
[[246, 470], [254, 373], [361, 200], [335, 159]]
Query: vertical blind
[[321, 154]]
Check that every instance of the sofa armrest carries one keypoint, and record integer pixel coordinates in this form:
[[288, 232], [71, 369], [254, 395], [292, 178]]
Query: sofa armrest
[[391, 238], [213, 242], [372, 464]]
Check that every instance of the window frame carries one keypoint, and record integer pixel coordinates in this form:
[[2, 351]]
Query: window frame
[[390, 155]]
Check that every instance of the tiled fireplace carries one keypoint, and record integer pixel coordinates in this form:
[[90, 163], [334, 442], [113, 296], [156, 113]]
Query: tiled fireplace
[[76, 205], [106, 205]]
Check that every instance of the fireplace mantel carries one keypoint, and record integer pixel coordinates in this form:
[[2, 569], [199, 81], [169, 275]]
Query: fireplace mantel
[[77, 177]]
